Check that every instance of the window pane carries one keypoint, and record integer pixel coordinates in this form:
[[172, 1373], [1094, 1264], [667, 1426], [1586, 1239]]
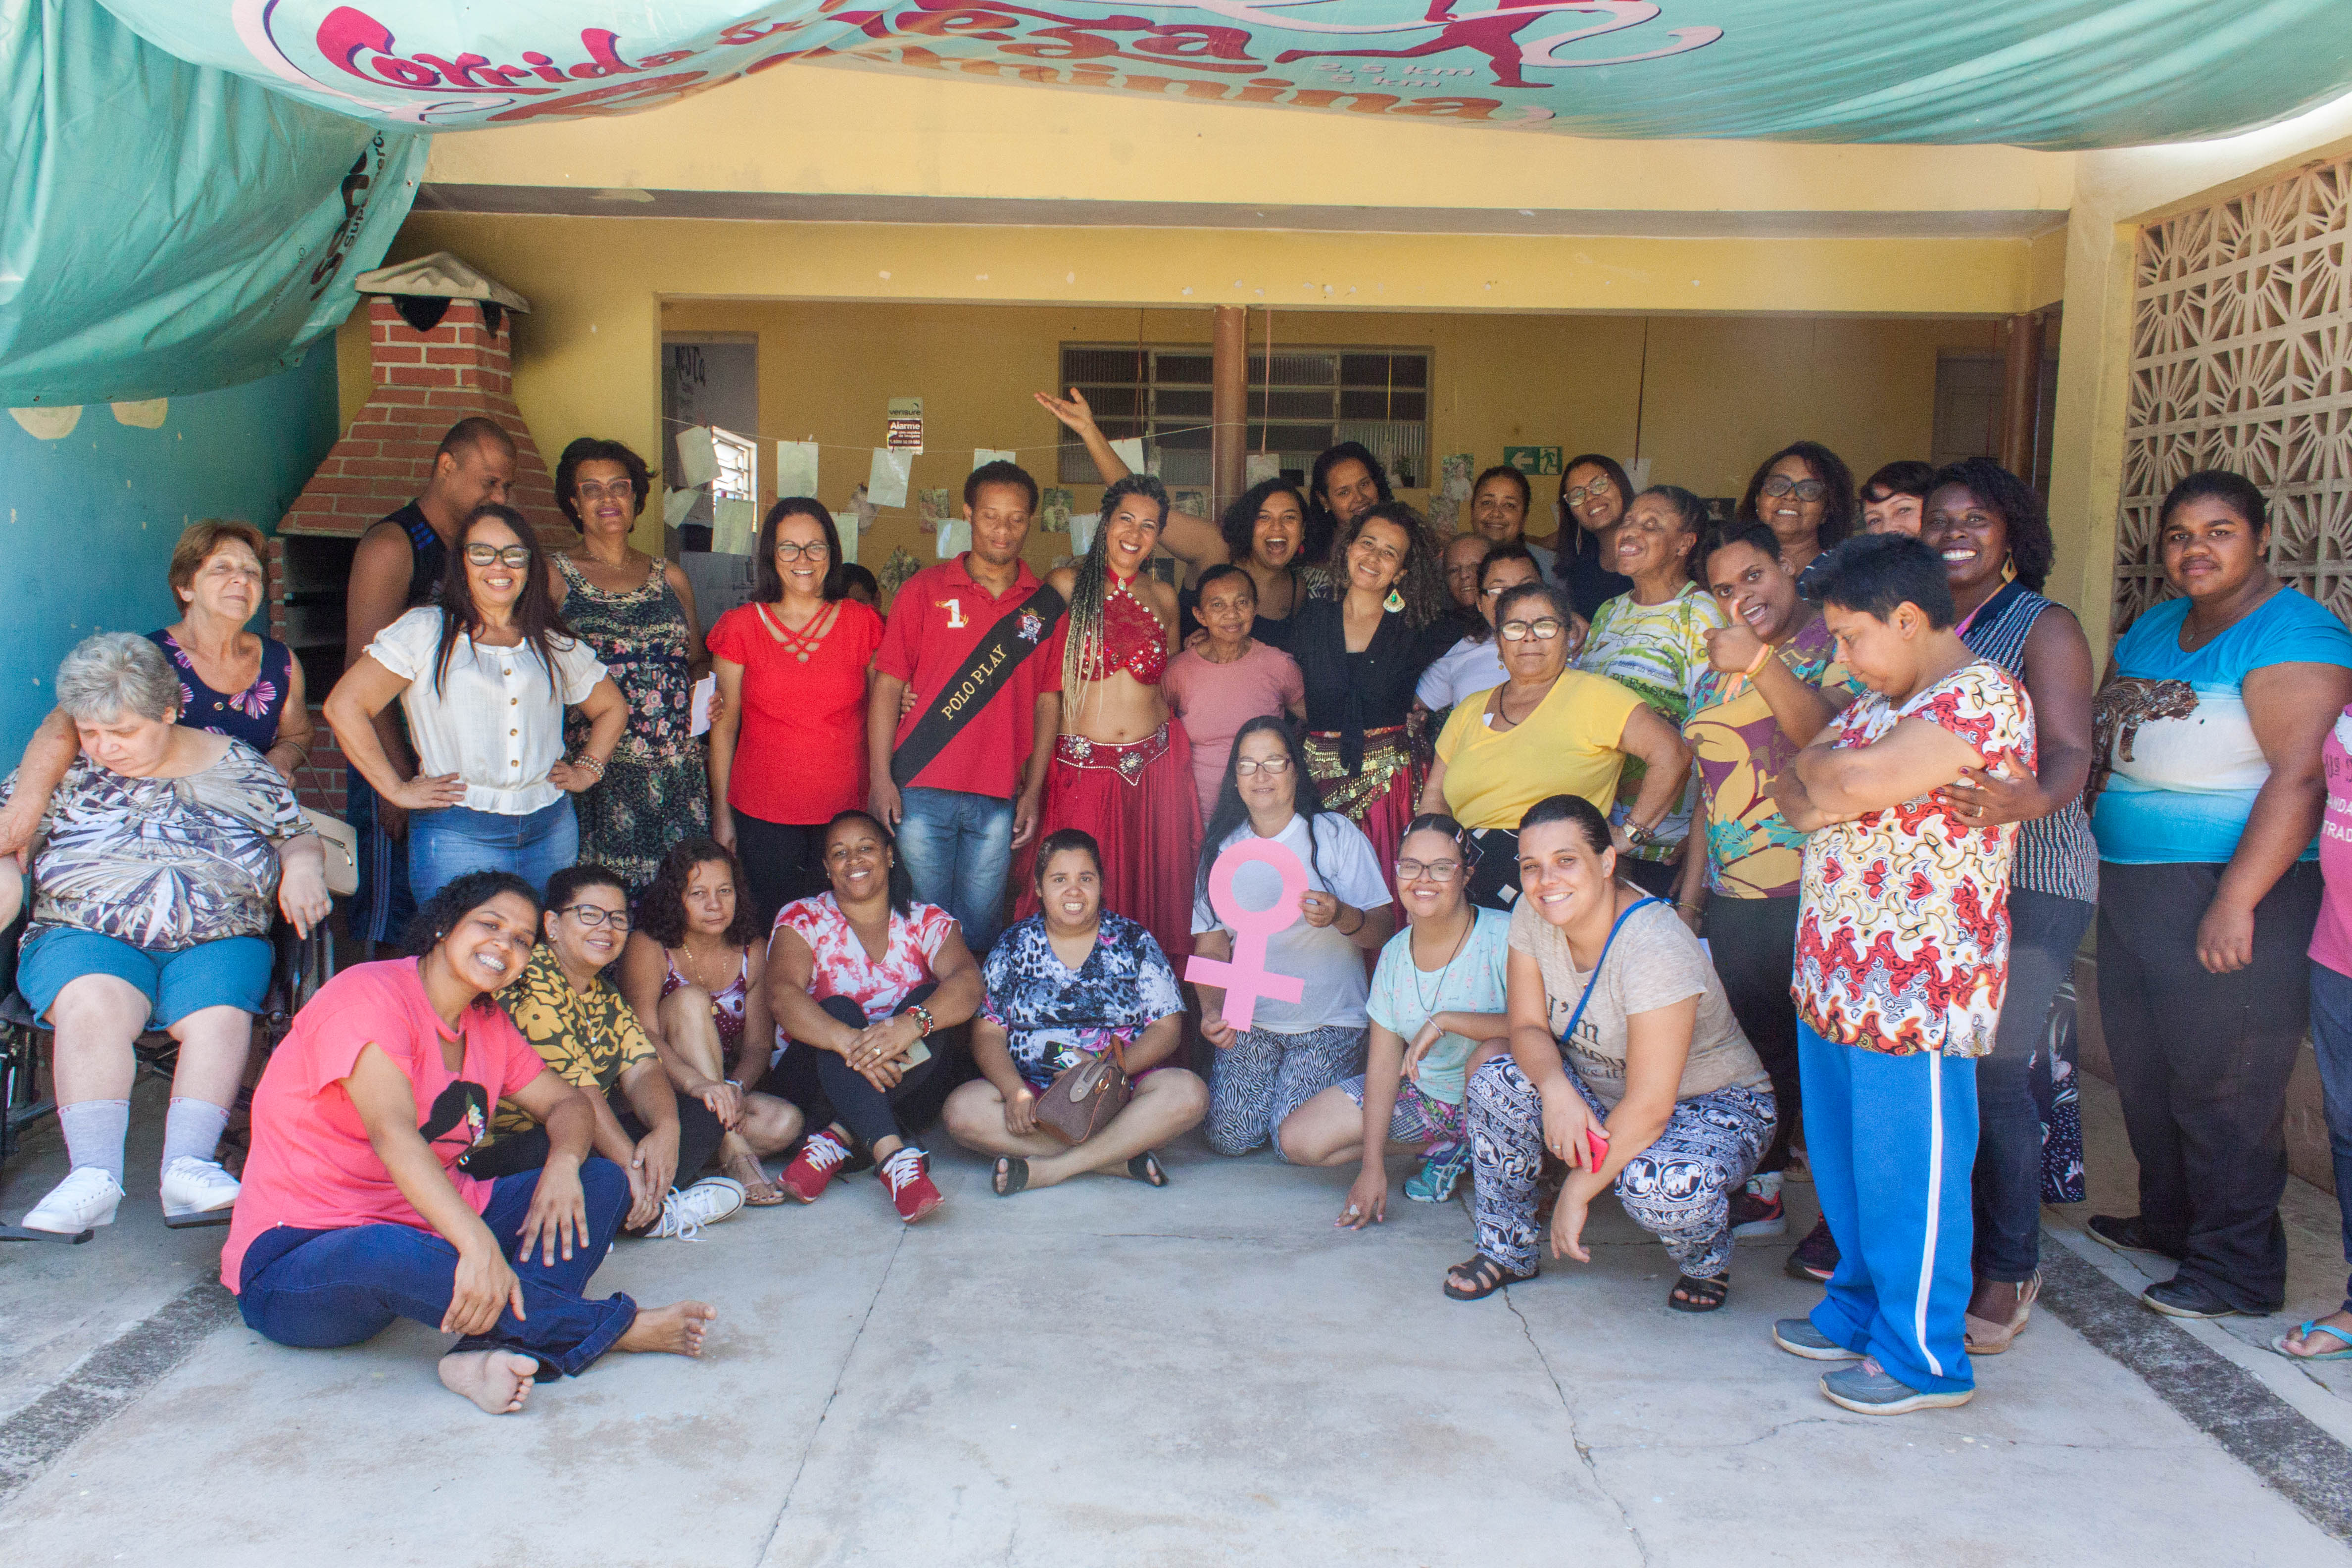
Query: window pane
[[1085, 365], [1197, 369], [1187, 404]]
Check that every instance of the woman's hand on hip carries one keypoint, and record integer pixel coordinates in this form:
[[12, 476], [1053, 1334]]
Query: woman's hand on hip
[[429, 793]]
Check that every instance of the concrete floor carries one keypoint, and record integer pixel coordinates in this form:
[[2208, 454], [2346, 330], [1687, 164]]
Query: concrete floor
[[1104, 1373]]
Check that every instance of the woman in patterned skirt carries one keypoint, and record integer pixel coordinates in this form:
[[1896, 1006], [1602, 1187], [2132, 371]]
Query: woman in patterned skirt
[[637, 615]]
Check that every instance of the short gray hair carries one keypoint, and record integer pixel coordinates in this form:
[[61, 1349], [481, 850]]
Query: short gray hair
[[115, 673]]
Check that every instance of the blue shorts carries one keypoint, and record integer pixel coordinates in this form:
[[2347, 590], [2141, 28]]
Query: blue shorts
[[231, 973]]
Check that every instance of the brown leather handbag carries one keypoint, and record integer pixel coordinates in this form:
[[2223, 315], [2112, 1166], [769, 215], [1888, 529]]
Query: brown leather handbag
[[1082, 1099]]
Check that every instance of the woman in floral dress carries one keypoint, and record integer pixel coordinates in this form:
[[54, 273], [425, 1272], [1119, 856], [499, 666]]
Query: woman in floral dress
[[636, 612]]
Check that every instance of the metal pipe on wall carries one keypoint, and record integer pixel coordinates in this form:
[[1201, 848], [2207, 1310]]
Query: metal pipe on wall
[[1228, 403]]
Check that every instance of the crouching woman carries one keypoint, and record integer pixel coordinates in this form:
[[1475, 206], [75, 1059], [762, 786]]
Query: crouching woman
[[354, 1213], [1626, 1063]]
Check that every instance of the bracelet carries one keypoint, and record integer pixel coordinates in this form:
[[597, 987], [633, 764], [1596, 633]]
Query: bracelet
[[1360, 918], [923, 1014], [1762, 654], [594, 764], [1694, 909]]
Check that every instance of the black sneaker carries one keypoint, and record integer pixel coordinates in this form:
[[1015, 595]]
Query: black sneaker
[[2126, 1234], [1753, 1215], [2179, 1298], [1816, 1258]]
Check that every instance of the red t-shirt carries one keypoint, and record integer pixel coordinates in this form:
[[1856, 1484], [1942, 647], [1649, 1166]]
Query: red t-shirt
[[800, 753], [935, 622], [312, 1166]]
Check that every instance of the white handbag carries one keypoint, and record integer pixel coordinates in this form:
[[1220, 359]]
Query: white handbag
[[341, 841]]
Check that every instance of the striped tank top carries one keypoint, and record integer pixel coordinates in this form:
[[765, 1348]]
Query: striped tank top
[[2055, 854]]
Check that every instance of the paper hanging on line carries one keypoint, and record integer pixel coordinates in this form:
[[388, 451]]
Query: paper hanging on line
[[734, 523], [1259, 466], [1130, 452], [697, 456], [954, 538], [1082, 531], [677, 505], [795, 469], [845, 523], [983, 456], [704, 691], [886, 482]]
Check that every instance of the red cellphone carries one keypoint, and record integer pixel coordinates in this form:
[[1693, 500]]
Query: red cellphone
[[1596, 1140]]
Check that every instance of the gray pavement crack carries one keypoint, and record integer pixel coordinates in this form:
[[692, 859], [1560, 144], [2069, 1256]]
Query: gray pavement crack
[[839, 1374], [1584, 1452]]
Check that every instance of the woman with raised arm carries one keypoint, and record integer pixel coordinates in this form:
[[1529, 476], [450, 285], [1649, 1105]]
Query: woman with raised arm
[[1805, 493], [1263, 532]]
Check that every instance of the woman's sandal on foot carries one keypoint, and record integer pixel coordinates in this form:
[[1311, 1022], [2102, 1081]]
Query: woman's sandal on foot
[[1985, 1336], [1480, 1278], [1012, 1174], [1694, 1294], [1145, 1168], [759, 1193]]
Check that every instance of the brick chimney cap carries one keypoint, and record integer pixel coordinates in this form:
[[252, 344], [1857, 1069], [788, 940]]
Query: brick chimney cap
[[439, 276]]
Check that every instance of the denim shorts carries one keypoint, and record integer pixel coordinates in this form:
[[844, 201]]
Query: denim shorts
[[231, 973]]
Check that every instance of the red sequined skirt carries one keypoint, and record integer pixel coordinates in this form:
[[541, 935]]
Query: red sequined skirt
[[1138, 801]]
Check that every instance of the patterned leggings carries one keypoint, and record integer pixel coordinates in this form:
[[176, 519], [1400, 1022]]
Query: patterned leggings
[[1678, 1189], [1262, 1077]]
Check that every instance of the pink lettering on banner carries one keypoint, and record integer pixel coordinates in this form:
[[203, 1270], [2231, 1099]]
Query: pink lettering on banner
[[1247, 978]]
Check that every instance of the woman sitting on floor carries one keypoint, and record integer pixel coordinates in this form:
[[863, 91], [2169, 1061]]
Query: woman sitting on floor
[[1625, 1062], [1061, 986], [859, 978], [580, 1025], [355, 1211], [698, 980], [1427, 1035]]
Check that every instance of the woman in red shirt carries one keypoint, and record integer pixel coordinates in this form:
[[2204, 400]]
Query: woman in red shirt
[[792, 670]]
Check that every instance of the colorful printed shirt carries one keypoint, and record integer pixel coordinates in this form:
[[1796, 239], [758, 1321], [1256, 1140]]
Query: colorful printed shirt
[[844, 968], [1660, 652], [164, 864], [590, 1040], [1903, 937], [1751, 850], [1050, 1013]]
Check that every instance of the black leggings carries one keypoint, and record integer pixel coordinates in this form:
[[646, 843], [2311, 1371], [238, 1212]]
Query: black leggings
[[782, 861], [1754, 943], [828, 1089], [698, 1139]]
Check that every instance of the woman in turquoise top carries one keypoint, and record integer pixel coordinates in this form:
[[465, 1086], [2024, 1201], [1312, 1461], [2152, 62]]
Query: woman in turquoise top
[[2206, 794]]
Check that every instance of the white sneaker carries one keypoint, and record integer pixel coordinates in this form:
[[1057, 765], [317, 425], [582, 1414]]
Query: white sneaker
[[85, 1198], [709, 1201], [197, 1187]]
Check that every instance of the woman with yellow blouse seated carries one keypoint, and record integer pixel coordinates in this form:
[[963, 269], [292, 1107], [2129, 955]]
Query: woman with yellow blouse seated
[[1548, 729]]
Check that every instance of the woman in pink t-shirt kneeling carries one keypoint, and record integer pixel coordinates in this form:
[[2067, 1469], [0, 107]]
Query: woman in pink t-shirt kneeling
[[354, 1211]]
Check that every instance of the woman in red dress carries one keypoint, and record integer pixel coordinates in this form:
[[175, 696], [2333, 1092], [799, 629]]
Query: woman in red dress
[[1122, 768]]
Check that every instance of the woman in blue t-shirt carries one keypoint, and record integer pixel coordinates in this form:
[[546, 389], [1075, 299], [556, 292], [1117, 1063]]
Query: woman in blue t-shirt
[[2206, 794]]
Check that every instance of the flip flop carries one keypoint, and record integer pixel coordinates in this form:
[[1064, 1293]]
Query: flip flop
[[1145, 1168], [1012, 1174], [2306, 1331], [759, 1193]]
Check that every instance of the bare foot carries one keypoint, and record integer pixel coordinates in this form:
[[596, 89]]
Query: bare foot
[[497, 1380], [677, 1328]]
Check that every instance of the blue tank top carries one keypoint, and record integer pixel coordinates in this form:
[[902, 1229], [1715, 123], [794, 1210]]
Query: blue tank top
[[250, 715]]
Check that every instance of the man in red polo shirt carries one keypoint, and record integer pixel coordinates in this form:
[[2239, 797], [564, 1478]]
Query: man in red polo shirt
[[975, 640]]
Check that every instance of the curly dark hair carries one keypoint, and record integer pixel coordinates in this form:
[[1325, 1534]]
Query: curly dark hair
[[2025, 518], [1239, 524], [596, 450], [1422, 582], [1839, 507], [661, 913], [438, 915]]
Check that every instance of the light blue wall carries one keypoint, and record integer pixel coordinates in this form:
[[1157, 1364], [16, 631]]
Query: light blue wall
[[87, 520]]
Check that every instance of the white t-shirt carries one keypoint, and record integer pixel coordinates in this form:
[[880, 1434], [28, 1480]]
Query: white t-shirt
[[495, 721], [1331, 966], [1465, 667]]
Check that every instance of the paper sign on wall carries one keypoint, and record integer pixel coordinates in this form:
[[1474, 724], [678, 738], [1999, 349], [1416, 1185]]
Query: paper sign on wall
[[983, 456], [734, 525], [906, 424], [697, 456], [1247, 978], [1130, 452], [886, 482], [1082, 531], [1259, 466], [935, 508], [955, 538], [1533, 459], [676, 504], [795, 469], [1054, 509]]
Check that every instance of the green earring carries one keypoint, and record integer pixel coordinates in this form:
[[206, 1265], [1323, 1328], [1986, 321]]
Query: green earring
[[1393, 602]]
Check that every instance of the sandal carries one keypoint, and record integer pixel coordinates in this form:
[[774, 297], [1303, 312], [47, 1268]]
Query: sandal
[[2343, 1336], [1011, 1177], [1986, 1337], [1481, 1276], [1694, 1294], [759, 1193], [1145, 1168]]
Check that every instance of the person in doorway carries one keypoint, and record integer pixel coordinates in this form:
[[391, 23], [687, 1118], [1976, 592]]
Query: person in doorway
[[1500, 500], [356, 1211], [1895, 499], [1594, 491], [789, 745], [399, 566], [961, 775], [1805, 493], [1887, 1046], [1070, 982], [2206, 793], [484, 677], [1229, 678]]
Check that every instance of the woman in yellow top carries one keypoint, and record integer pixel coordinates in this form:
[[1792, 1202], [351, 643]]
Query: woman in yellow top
[[1548, 729]]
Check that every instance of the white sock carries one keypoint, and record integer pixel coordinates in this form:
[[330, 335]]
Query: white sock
[[94, 1131], [194, 1128]]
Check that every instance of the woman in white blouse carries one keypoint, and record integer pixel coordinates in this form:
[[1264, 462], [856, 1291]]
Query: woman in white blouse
[[484, 677]]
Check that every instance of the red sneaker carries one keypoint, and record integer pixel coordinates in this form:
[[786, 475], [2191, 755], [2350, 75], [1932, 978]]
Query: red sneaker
[[907, 1174], [819, 1161]]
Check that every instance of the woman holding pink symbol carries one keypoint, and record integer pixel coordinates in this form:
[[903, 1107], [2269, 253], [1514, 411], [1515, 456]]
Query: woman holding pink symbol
[[1287, 1051]]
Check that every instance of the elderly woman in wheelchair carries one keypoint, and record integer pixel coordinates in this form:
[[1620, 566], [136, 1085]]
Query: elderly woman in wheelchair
[[160, 861]]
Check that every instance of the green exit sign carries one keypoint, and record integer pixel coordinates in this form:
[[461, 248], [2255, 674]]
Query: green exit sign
[[1533, 459]]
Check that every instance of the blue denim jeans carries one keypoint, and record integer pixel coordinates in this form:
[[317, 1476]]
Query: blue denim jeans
[[2331, 1041], [445, 845], [959, 849], [323, 1288], [2044, 930]]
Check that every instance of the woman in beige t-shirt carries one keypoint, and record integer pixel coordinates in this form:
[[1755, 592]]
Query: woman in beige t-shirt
[[1625, 1062]]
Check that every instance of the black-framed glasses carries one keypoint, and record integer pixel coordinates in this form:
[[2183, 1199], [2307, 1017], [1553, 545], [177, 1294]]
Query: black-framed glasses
[[1543, 630], [1780, 486], [491, 555], [1249, 765], [1435, 870], [594, 915], [1600, 487], [787, 551]]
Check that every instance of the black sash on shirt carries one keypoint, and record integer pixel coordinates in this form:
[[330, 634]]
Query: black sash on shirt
[[990, 664]]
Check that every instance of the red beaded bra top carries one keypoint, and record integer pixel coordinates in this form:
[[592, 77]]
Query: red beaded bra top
[[1134, 639]]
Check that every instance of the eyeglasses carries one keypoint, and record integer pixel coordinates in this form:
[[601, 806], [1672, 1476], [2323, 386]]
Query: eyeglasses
[[1597, 488], [490, 554], [592, 916], [1780, 485], [787, 551], [1249, 765], [1435, 870], [1543, 630], [619, 490]]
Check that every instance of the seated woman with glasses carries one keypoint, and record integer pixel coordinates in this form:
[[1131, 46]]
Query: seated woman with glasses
[[1436, 1010], [580, 1025], [1545, 729]]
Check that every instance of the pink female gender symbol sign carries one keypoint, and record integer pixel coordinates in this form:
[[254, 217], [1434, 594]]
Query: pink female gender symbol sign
[[1247, 978]]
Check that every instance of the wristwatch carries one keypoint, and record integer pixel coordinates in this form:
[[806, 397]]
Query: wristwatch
[[1638, 836]]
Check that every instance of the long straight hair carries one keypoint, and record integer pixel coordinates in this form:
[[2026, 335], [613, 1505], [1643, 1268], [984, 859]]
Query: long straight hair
[[1231, 815], [535, 616]]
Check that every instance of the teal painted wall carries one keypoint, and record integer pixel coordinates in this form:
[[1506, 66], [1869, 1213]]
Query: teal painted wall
[[88, 519]]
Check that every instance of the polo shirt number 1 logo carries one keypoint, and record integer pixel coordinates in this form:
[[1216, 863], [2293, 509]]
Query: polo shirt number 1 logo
[[955, 614]]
